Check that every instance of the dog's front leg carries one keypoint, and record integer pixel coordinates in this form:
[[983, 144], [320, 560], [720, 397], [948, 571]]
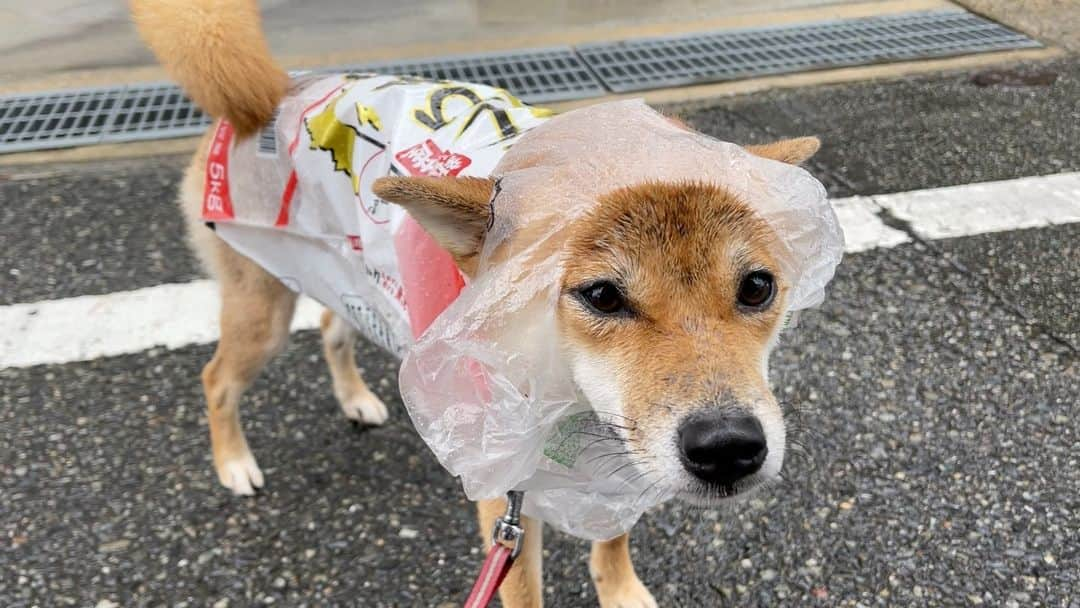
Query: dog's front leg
[[524, 586], [617, 585], [354, 396]]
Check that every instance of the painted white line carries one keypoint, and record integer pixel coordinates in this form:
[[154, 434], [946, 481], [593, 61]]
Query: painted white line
[[1027, 202], [863, 228], [176, 315], [88, 327]]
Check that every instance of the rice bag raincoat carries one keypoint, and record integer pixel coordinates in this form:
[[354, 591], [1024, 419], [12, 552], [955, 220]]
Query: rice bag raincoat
[[482, 374]]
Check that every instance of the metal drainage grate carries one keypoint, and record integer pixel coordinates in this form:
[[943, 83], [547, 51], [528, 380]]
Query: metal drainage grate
[[537, 76], [90, 116], [634, 65], [87, 116], [158, 111]]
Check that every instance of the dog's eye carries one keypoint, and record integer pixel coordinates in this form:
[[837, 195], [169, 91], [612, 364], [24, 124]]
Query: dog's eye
[[604, 298], [756, 289]]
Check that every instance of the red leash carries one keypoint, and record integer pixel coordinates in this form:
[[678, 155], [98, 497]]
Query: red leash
[[506, 544]]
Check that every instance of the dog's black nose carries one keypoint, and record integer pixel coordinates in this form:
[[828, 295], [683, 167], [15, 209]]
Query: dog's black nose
[[722, 449]]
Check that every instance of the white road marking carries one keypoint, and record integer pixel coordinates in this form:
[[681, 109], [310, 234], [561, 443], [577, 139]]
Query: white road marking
[[1027, 202], [88, 327], [863, 228], [177, 315]]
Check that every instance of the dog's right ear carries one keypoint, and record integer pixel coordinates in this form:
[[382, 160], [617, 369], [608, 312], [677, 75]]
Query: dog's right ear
[[454, 210], [791, 151]]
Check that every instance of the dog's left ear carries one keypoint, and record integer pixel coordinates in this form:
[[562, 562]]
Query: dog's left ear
[[454, 210], [791, 151]]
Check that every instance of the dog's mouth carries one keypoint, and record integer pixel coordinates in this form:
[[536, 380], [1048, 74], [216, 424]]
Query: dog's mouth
[[715, 495]]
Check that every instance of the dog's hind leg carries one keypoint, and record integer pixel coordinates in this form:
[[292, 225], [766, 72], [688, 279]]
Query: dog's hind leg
[[523, 586], [617, 585], [356, 399], [256, 310]]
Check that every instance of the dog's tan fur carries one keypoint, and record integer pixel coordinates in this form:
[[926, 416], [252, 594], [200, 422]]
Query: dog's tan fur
[[678, 248], [217, 50]]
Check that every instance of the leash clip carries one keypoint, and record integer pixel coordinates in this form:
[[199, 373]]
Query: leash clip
[[508, 531], [506, 543]]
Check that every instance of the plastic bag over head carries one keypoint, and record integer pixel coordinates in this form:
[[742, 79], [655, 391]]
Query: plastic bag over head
[[487, 385]]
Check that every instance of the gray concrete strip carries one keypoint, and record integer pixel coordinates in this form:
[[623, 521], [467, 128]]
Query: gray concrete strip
[[10, 163], [51, 42], [939, 469], [1054, 21]]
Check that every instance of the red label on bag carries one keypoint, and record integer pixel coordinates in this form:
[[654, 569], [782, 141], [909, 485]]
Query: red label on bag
[[430, 279], [217, 205], [426, 158]]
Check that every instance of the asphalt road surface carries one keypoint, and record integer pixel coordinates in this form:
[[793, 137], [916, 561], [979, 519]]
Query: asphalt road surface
[[938, 391]]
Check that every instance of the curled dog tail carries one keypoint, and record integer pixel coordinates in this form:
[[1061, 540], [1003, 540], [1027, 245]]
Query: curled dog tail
[[217, 52]]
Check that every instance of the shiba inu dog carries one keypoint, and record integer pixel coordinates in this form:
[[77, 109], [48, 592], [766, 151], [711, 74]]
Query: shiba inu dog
[[671, 299]]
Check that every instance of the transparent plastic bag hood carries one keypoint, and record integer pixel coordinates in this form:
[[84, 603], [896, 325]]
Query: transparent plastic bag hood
[[487, 385]]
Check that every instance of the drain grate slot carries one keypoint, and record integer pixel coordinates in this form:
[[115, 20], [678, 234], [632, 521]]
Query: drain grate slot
[[80, 117], [650, 63], [155, 111]]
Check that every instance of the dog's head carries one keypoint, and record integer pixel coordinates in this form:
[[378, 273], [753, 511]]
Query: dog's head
[[671, 299]]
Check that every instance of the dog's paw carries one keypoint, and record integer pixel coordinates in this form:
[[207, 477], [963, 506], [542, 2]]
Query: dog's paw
[[365, 408], [628, 594], [241, 475]]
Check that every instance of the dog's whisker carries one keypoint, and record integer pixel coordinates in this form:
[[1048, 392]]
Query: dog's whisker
[[795, 444], [630, 462], [594, 442], [573, 434], [604, 458], [600, 439], [562, 444], [640, 474], [600, 415], [613, 455], [639, 464], [647, 490], [610, 413], [801, 430], [622, 420], [589, 434]]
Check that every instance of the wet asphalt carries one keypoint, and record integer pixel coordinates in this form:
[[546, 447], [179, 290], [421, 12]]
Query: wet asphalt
[[936, 393]]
